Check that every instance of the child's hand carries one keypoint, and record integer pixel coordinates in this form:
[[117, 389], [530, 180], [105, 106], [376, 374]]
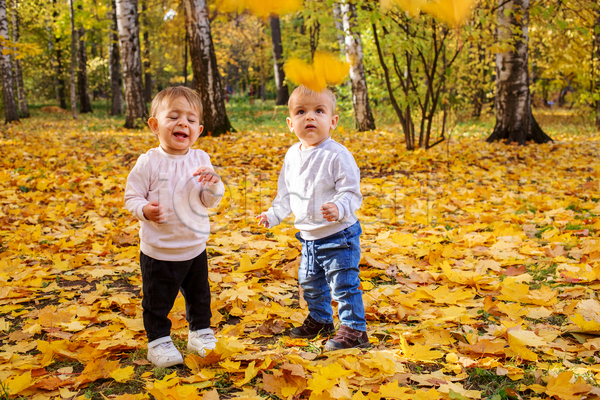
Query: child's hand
[[330, 212], [263, 220], [154, 212], [208, 176]]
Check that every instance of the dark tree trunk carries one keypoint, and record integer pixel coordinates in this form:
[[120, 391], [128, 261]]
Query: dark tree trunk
[[85, 106], [62, 86], [514, 120], [114, 60], [10, 106], [129, 38], [360, 96], [185, 59], [23, 109], [73, 61], [147, 72], [52, 62], [204, 64], [282, 89]]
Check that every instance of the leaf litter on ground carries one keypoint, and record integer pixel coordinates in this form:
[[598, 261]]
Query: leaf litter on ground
[[480, 272]]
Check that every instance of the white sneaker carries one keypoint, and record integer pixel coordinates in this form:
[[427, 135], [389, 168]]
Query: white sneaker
[[201, 341], [163, 353]]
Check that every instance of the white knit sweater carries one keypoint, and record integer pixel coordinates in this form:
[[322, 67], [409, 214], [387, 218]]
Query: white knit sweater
[[166, 178], [310, 178]]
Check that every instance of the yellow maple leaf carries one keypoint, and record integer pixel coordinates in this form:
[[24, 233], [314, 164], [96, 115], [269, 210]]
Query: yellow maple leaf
[[262, 8], [16, 384], [122, 374], [452, 12], [249, 373], [419, 352], [326, 69], [392, 390], [562, 388], [585, 325]]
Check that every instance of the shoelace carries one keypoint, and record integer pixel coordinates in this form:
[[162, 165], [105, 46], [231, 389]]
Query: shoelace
[[208, 337]]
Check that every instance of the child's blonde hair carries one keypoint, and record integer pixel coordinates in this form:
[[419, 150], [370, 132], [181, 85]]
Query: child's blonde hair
[[171, 93], [304, 91]]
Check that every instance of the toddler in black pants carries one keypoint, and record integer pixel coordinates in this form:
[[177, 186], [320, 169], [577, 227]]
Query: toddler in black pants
[[169, 190]]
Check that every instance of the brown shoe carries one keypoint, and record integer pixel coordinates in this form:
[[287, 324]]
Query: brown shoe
[[310, 329], [347, 338]]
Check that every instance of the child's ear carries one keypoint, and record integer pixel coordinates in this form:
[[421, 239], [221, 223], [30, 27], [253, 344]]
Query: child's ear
[[334, 121], [201, 130], [153, 124], [290, 125]]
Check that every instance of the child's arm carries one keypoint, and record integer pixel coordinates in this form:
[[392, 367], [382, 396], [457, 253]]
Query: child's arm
[[138, 186], [347, 185]]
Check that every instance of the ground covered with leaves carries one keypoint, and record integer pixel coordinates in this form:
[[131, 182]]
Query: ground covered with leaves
[[480, 271]]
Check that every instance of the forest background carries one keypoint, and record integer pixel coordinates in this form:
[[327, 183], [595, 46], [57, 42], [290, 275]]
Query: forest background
[[481, 261]]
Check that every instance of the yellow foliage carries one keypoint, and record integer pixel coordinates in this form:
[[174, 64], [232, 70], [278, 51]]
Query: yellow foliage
[[262, 8], [326, 69], [452, 12]]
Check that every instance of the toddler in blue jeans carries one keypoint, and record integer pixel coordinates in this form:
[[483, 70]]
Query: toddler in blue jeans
[[320, 183]]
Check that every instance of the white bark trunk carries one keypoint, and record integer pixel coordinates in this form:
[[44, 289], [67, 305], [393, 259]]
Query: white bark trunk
[[354, 55], [131, 61], [8, 94], [514, 120]]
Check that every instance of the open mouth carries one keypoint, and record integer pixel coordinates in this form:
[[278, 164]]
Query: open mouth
[[180, 135], [310, 127]]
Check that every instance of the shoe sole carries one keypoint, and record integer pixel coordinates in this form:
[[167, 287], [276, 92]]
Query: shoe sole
[[360, 346], [312, 336], [167, 365]]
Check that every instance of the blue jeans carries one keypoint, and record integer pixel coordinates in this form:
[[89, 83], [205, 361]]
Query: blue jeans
[[329, 268]]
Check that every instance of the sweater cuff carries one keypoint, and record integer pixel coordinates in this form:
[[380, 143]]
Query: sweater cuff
[[273, 220], [342, 217], [140, 213]]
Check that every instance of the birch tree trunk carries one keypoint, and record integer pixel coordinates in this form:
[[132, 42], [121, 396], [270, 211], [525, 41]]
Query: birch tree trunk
[[85, 106], [147, 73], [282, 90], [514, 120], [73, 60], [204, 65], [10, 107], [23, 109], [339, 26], [114, 61], [129, 38], [360, 97]]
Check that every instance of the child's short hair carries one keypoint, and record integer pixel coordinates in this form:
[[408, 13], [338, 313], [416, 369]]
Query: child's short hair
[[171, 93], [304, 91]]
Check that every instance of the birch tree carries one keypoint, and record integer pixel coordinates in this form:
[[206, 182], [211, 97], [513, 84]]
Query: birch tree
[[114, 61], [282, 89], [129, 39], [10, 108], [514, 120], [204, 65], [23, 109], [354, 55]]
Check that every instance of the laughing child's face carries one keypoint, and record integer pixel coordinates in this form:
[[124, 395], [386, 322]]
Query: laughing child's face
[[177, 125]]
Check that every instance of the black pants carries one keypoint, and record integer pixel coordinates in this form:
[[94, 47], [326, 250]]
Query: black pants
[[162, 281]]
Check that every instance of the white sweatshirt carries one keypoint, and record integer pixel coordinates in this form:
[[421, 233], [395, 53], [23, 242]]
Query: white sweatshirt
[[166, 178], [310, 178]]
